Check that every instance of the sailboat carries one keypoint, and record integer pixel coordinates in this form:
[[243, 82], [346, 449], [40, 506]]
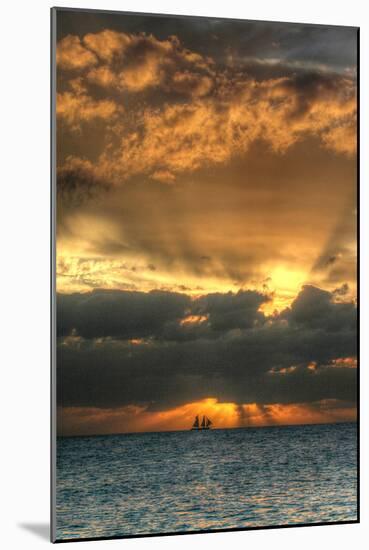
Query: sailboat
[[205, 423]]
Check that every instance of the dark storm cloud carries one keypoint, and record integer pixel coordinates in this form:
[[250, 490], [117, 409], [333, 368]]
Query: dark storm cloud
[[118, 314], [315, 308], [156, 314], [238, 370], [236, 364], [228, 311]]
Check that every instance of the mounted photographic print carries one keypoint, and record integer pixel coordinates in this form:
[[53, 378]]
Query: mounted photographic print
[[204, 299]]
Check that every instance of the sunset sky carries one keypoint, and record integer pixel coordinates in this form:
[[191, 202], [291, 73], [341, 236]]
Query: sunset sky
[[206, 222]]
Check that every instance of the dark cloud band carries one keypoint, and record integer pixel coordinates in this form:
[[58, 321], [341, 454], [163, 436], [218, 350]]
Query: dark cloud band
[[118, 348]]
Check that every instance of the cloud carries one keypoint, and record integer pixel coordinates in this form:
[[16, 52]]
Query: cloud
[[107, 44], [76, 106], [102, 76], [257, 217], [342, 139], [231, 311], [338, 256], [183, 137], [138, 61], [316, 308], [152, 350], [76, 183], [194, 112], [118, 314], [156, 314], [72, 55]]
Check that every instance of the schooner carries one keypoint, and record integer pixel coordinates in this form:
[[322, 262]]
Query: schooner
[[205, 424]]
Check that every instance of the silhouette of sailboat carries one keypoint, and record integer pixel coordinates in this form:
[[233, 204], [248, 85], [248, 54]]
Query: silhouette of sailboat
[[205, 423]]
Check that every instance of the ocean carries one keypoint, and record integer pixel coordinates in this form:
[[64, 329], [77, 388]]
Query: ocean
[[152, 483]]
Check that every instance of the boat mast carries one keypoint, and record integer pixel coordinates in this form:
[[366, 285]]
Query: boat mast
[[196, 423]]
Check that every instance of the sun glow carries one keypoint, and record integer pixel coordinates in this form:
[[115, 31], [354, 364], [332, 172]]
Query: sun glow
[[132, 418], [284, 284]]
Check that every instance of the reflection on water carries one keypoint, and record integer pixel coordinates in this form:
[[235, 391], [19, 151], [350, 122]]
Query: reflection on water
[[219, 479]]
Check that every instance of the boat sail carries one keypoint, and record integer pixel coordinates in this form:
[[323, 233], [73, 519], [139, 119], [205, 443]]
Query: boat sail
[[205, 423]]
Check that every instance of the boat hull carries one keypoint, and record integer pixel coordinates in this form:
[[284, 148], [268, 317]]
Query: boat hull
[[199, 429]]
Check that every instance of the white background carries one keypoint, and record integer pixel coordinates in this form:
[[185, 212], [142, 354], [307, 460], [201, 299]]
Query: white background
[[24, 271]]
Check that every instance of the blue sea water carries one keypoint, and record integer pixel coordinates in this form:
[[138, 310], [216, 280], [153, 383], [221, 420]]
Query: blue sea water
[[166, 482]]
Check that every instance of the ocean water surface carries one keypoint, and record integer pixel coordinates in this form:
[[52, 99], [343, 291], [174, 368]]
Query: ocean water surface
[[151, 483]]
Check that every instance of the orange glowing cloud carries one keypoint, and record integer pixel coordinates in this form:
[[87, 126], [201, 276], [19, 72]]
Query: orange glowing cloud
[[71, 54], [193, 319], [107, 43], [184, 137], [325, 411], [223, 114], [344, 362], [103, 76], [74, 108]]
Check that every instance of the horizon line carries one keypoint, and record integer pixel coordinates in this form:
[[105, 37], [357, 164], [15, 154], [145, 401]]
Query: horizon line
[[59, 436]]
